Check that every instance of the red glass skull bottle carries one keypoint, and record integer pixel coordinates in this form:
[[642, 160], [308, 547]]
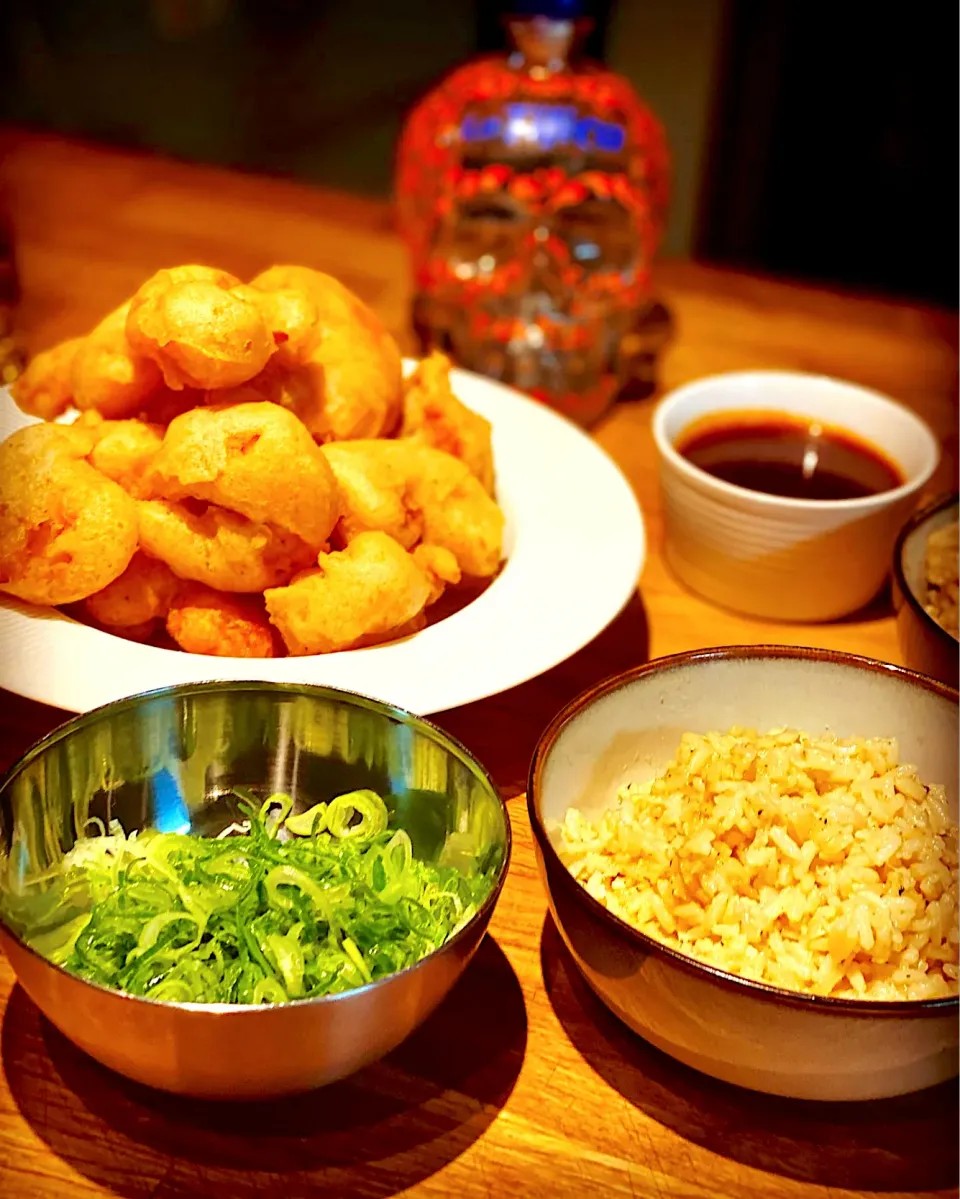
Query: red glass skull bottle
[[532, 193]]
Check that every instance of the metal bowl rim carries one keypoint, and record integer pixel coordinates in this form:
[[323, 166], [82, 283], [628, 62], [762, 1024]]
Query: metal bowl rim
[[766, 992], [480, 917]]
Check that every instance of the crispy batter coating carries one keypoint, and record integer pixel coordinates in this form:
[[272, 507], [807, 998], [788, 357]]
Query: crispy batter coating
[[432, 415], [367, 593], [91, 420], [440, 567], [416, 493], [45, 388], [53, 442], [299, 389], [124, 450], [255, 459], [377, 491], [201, 328], [293, 319], [346, 382], [135, 600], [220, 548], [108, 373], [204, 621], [66, 531]]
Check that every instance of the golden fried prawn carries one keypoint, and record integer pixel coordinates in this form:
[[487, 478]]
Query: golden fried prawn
[[367, 593], [123, 452], [220, 548], [137, 598], [349, 383], [108, 373], [45, 388], [55, 441], [438, 493], [200, 328], [432, 415], [66, 531], [253, 458], [292, 318], [90, 420], [440, 567], [377, 493], [204, 621], [299, 389]]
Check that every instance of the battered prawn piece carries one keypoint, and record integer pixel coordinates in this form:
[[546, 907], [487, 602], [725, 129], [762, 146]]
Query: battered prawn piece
[[440, 567], [132, 603], [220, 548], [347, 382], [443, 503], [45, 388], [253, 458], [370, 592], [432, 415], [200, 327], [299, 389], [204, 621], [377, 493], [124, 450], [66, 531], [108, 373], [292, 318]]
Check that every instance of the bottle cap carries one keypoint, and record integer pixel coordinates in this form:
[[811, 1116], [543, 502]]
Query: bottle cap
[[554, 10]]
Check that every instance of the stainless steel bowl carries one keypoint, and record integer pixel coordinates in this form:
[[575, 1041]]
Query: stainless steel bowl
[[744, 1032], [119, 761]]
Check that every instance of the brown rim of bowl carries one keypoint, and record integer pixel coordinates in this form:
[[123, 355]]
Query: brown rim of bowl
[[481, 915], [947, 643], [765, 991]]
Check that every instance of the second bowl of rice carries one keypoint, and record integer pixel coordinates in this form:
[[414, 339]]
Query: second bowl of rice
[[751, 854]]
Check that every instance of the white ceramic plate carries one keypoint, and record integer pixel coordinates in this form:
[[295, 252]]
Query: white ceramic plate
[[574, 544]]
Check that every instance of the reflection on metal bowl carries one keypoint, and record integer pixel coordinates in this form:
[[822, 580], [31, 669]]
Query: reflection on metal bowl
[[122, 762]]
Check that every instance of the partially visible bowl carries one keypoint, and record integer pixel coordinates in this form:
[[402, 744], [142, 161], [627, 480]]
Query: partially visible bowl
[[309, 742], [926, 645], [774, 556], [749, 1033]]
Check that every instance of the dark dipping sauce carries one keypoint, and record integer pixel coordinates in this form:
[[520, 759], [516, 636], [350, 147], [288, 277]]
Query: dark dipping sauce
[[787, 455]]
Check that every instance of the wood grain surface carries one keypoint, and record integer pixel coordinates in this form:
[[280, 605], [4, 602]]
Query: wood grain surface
[[521, 1083]]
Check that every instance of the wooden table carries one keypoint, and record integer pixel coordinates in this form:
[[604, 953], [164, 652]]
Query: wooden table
[[521, 1083]]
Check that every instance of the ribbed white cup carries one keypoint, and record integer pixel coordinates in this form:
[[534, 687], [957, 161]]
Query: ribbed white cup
[[774, 557]]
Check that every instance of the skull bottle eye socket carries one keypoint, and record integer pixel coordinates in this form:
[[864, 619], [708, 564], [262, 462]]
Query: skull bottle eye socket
[[599, 235], [492, 209], [484, 227]]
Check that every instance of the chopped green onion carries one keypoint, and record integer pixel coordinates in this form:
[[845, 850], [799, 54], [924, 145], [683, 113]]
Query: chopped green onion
[[272, 820], [367, 805], [250, 918], [308, 823], [355, 956]]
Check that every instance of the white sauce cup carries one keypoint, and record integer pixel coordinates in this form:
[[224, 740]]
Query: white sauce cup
[[773, 556]]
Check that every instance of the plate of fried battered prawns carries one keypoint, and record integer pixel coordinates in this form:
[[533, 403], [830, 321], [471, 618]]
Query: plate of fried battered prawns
[[246, 481]]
